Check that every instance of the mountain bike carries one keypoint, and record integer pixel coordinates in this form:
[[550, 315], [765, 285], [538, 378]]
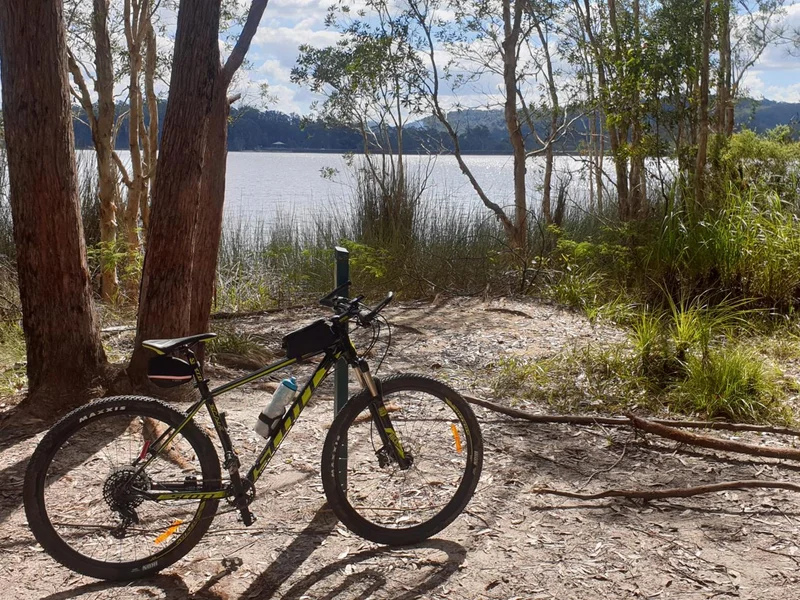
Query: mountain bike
[[125, 486]]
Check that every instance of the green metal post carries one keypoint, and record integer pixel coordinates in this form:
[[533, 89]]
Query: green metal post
[[340, 394]]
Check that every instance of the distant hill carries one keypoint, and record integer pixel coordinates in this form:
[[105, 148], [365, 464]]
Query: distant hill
[[758, 115], [481, 131], [761, 115]]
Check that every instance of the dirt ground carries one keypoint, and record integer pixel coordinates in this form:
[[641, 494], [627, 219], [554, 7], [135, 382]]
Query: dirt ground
[[509, 543]]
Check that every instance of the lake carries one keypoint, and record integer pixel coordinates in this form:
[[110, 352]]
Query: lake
[[263, 185]]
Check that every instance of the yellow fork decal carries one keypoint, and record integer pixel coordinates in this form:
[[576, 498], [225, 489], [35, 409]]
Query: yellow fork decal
[[170, 530], [396, 442]]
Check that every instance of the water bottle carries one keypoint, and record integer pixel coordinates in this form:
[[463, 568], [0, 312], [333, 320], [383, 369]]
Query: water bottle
[[270, 416]]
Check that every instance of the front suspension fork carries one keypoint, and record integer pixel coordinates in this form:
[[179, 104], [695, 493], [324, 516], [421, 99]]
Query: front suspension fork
[[380, 416]]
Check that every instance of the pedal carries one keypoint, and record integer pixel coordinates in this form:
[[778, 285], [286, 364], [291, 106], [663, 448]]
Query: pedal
[[246, 517]]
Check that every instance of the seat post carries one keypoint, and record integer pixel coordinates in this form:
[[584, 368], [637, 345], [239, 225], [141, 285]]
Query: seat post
[[199, 379]]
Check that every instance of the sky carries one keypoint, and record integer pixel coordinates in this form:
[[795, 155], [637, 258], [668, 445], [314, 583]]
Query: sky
[[776, 75], [289, 23]]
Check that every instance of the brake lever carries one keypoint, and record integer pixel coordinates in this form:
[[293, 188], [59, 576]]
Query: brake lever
[[327, 300], [366, 319]]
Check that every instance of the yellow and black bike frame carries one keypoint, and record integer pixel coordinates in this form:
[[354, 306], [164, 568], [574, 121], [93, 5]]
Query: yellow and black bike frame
[[237, 490]]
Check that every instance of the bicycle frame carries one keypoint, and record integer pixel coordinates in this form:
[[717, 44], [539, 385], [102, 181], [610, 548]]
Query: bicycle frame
[[191, 491]]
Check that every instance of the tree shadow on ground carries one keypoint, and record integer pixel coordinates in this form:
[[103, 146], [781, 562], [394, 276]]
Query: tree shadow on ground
[[619, 459], [12, 477], [173, 587]]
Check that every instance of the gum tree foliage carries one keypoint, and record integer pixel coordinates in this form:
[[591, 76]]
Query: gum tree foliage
[[368, 80]]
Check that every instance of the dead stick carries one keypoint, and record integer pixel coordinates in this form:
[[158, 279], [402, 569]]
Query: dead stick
[[624, 421], [217, 316], [685, 437], [675, 492]]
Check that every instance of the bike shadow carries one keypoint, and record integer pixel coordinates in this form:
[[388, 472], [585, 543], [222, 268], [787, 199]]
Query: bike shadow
[[340, 578], [346, 577], [364, 583]]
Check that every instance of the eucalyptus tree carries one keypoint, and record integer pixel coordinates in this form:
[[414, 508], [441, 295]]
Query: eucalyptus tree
[[614, 54], [745, 30], [514, 43], [208, 224], [142, 57], [165, 296], [89, 38], [65, 357]]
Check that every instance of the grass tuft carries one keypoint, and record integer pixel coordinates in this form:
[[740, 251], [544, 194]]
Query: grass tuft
[[734, 384]]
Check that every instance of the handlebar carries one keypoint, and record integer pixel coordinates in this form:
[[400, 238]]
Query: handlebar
[[353, 306]]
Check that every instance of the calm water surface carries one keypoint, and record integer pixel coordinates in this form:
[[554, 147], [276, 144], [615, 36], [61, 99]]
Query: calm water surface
[[264, 186]]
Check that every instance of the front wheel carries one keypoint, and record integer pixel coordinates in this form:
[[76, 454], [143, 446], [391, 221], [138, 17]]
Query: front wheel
[[399, 469], [89, 503]]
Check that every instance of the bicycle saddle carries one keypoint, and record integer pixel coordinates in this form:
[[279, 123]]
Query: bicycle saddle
[[167, 346]]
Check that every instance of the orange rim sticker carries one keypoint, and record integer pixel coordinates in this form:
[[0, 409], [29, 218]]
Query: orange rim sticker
[[172, 529], [456, 437]]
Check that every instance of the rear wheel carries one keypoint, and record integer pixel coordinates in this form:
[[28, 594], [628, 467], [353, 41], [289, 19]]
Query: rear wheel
[[82, 488], [382, 501]]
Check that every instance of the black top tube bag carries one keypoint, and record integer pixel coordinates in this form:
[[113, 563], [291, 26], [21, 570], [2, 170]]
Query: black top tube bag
[[311, 339]]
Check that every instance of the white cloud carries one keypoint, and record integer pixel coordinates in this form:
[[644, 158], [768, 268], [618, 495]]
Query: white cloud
[[753, 85]]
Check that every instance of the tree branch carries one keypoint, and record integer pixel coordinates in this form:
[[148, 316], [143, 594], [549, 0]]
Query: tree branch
[[84, 97], [257, 8], [122, 170]]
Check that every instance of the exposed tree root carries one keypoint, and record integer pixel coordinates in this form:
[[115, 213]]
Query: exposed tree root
[[706, 442]]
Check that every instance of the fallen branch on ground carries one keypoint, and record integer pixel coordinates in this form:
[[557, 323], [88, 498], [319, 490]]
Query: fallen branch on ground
[[693, 439], [220, 316], [674, 492], [625, 421]]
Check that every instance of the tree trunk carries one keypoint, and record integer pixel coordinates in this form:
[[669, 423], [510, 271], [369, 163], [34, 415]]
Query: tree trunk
[[636, 186], [702, 126], [64, 352], [547, 182], [619, 131], [103, 141], [135, 15], [600, 153], [208, 226], [209, 217], [165, 299], [151, 148], [724, 70], [510, 40]]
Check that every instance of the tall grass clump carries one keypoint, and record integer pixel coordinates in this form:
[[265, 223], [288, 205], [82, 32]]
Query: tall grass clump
[[687, 358], [732, 383], [748, 247], [405, 237], [384, 205], [268, 264]]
